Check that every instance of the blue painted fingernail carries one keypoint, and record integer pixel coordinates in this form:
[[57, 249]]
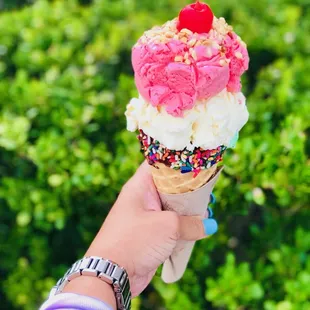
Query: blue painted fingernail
[[210, 211], [210, 226], [212, 199]]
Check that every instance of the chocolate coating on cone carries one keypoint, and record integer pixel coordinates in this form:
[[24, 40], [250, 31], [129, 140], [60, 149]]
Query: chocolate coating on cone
[[184, 161]]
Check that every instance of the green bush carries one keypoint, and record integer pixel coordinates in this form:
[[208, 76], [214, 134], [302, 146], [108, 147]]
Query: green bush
[[65, 79]]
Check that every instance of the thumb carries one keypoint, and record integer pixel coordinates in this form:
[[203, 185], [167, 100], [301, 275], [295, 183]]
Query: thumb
[[194, 228]]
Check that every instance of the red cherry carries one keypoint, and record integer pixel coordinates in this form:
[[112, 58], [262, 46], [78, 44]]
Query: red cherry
[[196, 17]]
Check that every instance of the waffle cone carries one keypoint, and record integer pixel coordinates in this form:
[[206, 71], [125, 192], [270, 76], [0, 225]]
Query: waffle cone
[[186, 195], [169, 181]]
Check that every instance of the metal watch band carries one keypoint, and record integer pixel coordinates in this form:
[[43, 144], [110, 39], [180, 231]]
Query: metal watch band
[[103, 269]]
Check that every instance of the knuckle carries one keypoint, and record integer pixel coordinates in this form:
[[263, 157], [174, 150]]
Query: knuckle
[[174, 223]]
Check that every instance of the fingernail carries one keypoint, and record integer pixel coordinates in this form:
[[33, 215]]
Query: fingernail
[[210, 211], [212, 199], [210, 226]]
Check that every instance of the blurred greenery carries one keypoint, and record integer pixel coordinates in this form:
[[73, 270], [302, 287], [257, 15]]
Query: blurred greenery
[[65, 79]]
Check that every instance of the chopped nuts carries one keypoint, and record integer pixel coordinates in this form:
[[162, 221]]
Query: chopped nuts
[[178, 59], [187, 31], [209, 52], [169, 34], [207, 42], [193, 53], [243, 44], [192, 42], [212, 41], [238, 55], [220, 28], [184, 40], [223, 63], [216, 45]]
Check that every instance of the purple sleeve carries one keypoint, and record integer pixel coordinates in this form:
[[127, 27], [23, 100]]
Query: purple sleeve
[[74, 302]]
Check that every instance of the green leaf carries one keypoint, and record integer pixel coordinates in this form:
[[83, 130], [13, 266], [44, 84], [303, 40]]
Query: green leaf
[[23, 219]]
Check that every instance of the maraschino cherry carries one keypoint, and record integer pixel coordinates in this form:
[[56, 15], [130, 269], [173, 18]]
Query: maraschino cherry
[[196, 17]]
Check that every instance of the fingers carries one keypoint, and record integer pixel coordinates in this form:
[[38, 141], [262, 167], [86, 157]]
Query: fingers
[[144, 172], [143, 181], [192, 228], [142, 175], [140, 192], [196, 228], [209, 212]]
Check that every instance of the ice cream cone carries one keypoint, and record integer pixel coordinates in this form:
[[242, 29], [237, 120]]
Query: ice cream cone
[[189, 201], [190, 109]]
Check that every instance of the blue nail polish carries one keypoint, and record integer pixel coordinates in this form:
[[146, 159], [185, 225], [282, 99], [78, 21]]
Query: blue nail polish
[[210, 226], [212, 199], [210, 212]]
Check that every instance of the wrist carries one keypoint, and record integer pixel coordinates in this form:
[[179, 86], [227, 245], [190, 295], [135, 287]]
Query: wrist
[[92, 287], [90, 270], [116, 254]]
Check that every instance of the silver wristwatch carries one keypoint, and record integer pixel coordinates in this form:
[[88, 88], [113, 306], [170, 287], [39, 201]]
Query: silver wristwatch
[[103, 269]]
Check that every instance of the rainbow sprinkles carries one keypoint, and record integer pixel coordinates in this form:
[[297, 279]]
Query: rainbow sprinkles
[[186, 161]]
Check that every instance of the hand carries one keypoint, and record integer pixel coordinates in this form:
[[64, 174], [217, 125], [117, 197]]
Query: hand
[[139, 236]]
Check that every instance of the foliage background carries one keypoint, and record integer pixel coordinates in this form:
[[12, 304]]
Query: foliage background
[[65, 79]]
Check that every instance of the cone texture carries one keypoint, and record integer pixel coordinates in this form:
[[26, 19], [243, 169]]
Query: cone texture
[[186, 195], [169, 181], [189, 203]]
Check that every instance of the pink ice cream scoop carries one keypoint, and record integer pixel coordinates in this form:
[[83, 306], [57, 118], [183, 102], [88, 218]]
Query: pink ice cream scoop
[[175, 69], [237, 53]]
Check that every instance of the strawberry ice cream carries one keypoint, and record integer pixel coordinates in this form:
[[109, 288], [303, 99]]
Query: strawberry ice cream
[[175, 69]]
